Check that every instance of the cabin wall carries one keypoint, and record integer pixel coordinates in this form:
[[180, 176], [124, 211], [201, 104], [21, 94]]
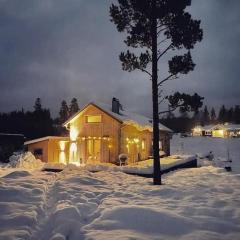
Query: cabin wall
[[43, 145], [52, 150], [132, 143], [58, 151], [106, 133], [135, 143]]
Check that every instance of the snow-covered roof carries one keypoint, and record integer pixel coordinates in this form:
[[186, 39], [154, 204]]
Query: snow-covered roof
[[124, 116], [44, 139], [227, 126], [12, 134], [207, 127]]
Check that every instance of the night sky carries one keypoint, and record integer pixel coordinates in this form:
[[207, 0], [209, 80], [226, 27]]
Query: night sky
[[59, 49]]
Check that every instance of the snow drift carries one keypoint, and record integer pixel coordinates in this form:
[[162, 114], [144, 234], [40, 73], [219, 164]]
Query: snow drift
[[25, 160]]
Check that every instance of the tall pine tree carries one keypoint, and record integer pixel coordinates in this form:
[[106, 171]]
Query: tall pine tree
[[38, 105], [64, 112], [236, 114], [206, 117], [156, 27], [213, 116], [222, 116], [73, 108]]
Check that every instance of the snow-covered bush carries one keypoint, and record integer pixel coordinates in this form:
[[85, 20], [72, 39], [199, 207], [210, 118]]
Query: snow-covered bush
[[25, 160]]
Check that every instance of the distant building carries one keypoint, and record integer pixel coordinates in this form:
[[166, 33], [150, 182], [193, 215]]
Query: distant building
[[226, 130], [202, 130]]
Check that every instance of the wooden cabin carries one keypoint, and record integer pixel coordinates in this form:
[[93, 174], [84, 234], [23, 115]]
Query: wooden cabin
[[99, 133], [50, 149]]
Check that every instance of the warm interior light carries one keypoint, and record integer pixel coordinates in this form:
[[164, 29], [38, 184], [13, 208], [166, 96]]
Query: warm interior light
[[62, 145], [73, 134], [221, 132], [73, 153], [136, 140], [62, 157]]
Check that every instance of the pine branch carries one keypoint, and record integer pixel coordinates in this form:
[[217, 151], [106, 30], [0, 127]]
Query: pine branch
[[167, 78], [161, 100], [164, 51], [144, 70], [160, 92], [162, 41], [171, 110], [161, 30]]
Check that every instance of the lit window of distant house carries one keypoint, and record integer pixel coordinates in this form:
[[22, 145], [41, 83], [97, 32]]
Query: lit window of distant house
[[94, 119]]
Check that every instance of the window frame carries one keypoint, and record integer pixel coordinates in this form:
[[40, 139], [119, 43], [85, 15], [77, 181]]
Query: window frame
[[98, 115]]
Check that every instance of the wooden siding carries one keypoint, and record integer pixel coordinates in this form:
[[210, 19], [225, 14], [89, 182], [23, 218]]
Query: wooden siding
[[134, 149], [50, 149], [118, 134], [40, 145], [109, 127]]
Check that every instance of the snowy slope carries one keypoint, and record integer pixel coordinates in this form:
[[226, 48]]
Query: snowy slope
[[198, 203]]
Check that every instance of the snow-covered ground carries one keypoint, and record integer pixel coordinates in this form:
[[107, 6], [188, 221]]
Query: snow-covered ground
[[202, 145], [200, 203]]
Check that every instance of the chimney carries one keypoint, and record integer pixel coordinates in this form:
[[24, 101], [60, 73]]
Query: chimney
[[115, 105]]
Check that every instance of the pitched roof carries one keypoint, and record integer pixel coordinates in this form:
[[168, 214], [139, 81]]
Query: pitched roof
[[124, 116], [228, 126]]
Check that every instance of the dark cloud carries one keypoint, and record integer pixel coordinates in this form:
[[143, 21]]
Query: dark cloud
[[59, 49]]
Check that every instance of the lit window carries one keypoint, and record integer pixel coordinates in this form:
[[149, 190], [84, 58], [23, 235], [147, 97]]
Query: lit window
[[94, 119], [143, 145]]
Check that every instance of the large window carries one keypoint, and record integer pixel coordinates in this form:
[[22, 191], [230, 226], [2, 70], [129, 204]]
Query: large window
[[93, 118]]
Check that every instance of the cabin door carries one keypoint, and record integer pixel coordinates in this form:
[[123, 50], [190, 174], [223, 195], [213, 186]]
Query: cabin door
[[93, 150]]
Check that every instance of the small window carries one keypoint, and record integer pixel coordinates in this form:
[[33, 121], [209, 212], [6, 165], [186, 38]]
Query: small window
[[94, 119], [38, 151]]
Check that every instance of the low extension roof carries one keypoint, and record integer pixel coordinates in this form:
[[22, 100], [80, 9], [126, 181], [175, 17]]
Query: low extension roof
[[44, 139], [124, 116]]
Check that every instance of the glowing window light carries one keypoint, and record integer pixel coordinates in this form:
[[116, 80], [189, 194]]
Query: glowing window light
[[221, 132], [143, 145], [62, 145], [62, 157], [73, 134], [94, 119], [136, 140], [73, 153]]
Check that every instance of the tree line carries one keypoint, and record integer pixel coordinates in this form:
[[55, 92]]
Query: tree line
[[39, 122], [184, 122]]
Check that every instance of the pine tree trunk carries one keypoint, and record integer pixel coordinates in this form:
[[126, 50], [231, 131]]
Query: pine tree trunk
[[156, 157]]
